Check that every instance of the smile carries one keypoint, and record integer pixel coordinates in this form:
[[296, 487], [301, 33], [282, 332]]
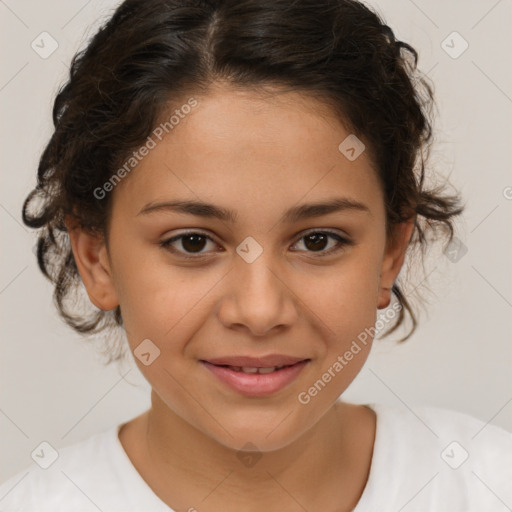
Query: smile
[[248, 369], [256, 381]]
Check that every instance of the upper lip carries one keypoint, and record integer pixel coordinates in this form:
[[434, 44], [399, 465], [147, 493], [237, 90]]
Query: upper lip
[[267, 361]]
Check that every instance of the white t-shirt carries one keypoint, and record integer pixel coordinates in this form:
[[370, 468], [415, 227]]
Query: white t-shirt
[[431, 459]]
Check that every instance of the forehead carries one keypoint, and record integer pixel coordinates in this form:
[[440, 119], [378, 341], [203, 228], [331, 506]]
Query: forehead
[[240, 147]]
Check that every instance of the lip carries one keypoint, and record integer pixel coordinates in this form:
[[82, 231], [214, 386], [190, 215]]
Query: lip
[[256, 362], [256, 384]]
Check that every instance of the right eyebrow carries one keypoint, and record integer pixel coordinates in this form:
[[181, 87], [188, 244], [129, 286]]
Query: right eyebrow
[[197, 208]]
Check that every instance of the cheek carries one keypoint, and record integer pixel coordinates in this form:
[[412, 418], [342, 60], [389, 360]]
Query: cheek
[[348, 299], [167, 304], [158, 301], [347, 305]]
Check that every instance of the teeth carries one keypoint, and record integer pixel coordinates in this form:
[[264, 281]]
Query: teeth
[[248, 369], [266, 370]]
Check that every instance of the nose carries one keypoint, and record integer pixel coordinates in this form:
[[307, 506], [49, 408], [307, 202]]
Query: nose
[[258, 299]]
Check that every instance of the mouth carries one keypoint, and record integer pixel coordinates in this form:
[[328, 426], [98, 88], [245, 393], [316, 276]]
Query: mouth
[[257, 380], [249, 369]]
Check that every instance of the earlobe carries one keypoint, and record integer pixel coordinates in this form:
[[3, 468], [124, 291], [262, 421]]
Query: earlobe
[[393, 260], [92, 261]]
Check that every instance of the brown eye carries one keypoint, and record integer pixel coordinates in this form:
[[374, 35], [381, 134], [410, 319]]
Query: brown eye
[[317, 241], [193, 243], [188, 243]]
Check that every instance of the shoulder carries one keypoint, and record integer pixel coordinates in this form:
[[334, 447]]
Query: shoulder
[[449, 458], [446, 428], [441, 421], [70, 478]]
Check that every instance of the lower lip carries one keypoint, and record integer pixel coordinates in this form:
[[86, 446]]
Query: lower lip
[[256, 384]]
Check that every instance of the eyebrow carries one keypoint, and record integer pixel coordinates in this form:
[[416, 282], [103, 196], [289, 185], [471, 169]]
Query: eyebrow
[[294, 214]]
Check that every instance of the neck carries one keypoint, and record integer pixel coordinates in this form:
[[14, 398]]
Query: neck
[[323, 469]]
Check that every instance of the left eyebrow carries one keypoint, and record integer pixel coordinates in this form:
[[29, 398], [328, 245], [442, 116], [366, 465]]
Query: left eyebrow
[[294, 214], [310, 210]]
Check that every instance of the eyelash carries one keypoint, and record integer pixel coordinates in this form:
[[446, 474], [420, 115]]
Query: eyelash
[[342, 243]]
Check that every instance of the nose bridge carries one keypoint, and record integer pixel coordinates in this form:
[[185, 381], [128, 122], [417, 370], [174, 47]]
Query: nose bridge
[[256, 283], [261, 300], [258, 278]]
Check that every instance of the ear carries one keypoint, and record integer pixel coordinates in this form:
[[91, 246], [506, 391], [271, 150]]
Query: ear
[[92, 261], [393, 260]]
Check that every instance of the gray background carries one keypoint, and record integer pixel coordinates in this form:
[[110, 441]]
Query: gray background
[[53, 385]]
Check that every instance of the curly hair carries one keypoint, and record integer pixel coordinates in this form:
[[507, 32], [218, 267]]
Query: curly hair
[[152, 52]]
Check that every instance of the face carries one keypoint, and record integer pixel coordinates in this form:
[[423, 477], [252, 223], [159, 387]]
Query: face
[[275, 282]]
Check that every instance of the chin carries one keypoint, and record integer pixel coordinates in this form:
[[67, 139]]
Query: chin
[[258, 433], [257, 441]]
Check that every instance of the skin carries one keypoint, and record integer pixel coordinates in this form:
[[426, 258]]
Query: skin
[[259, 155]]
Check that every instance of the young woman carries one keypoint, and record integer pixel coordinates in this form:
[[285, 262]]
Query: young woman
[[236, 184]]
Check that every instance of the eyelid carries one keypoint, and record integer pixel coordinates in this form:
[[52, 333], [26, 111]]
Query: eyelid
[[343, 241], [166, 244], [328, 231], [190, 232]]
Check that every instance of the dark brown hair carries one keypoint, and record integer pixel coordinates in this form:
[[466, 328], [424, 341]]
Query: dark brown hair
[[152, 52]]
